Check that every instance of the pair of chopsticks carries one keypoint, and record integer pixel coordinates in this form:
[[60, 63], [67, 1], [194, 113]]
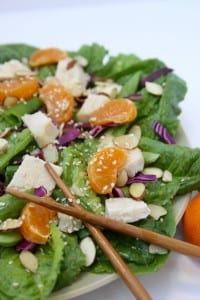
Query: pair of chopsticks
[[91, 219]]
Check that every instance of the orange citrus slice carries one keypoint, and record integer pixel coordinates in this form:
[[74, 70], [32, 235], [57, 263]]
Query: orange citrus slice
[[59, 102], [103, 168], [19, 87], [191, 221], [46, 57], [118, 111], [35, 223]]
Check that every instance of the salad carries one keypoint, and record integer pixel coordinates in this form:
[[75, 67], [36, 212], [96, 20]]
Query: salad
[[108, 126]]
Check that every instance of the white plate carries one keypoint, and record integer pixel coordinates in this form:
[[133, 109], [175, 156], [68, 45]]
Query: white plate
[[88, 282]]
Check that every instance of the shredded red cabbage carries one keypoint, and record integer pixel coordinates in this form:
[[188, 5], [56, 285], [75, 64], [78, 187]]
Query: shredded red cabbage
[[95, 131], [25, 245], [116, 193], [69, 136], [40, 191], [143, 178], [155, 74], [163, 133], [135, 97]]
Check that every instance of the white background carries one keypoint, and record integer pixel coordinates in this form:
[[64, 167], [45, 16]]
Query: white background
[[169, 30]]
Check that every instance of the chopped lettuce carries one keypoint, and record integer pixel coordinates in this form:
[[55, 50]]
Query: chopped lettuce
[[17, 144], [131, 84], [10, 207], [72, 263], [182, 162], [14, 114], [165, 110], [46, 71], [74, 160], [15, 51], [18, 284], [94, 54]]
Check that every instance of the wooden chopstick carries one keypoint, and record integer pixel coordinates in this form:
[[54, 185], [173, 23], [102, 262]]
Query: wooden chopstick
[[131, 230], [118, 263]]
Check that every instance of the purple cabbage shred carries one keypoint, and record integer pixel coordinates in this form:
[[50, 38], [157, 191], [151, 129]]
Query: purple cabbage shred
[[156, 74], [163, 133]]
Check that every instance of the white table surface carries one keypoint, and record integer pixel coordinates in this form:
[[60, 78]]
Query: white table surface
[[165, 29]]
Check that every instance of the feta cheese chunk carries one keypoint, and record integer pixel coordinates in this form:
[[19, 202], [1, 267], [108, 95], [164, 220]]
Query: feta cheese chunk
[[41, 127], [3, 145], [135, 162], [73, 78], [88, 248], [14, 68], [90, 105], [32, 174], [68, 224], [126, 210]]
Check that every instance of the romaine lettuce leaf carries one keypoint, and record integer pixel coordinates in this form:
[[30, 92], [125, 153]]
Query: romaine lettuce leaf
[[18, 284], [94, 54], [72, 263], [12, 116], [10, 207], [15, 51], [74, 160], [165, 110], [183, 162], [17, 144]]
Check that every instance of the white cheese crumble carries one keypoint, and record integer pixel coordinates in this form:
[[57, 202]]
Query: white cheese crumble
[[32, 174]]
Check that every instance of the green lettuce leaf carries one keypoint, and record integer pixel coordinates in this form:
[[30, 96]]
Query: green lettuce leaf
[[117, 65], [15, 51], [131, 84], [182, 162], [46, 71], [94, 54], [10, 207], [72, 263], [165, 110], [18, 284], [17, 144], [14, 114], [74, 160]]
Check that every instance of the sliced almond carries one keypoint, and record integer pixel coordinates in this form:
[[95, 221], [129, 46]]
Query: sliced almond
[[153, 171], [122, 178], [157, 211], [154, 249], [5, 132], [88, 248], [29, 261], [137, 190], [10, 101], [3, 145], [136, 130], [154, 88], [127, 141], [10, 224], [167, 176], [50, 153]]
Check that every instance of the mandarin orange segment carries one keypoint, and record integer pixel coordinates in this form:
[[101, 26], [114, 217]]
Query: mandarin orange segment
[[59, 102], [191, 221], [103, 168], [35, 223], [46, 57], [118, 111], [19, 87]]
